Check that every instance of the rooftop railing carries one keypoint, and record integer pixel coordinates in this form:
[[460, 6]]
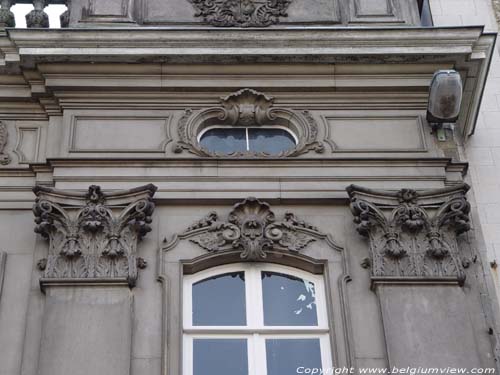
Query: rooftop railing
[[37, 17]]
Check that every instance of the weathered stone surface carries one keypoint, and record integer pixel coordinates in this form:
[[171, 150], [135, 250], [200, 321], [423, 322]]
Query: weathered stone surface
[[86, 330]]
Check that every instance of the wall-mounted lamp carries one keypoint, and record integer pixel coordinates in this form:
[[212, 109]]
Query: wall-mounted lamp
[[445, 97]]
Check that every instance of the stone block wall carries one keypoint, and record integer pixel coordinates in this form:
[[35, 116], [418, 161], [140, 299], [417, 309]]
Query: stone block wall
[[482, 149]]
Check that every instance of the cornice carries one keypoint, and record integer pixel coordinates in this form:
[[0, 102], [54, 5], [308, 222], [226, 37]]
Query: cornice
[[296, 42]]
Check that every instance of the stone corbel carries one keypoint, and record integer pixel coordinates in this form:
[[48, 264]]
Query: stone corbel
[[412, 234], [92, 236]]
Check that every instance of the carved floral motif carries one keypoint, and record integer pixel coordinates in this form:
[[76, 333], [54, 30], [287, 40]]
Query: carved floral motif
[[90, 240], [4, 157], [244, 108], [251, 228], [241, 13], [413, 240]]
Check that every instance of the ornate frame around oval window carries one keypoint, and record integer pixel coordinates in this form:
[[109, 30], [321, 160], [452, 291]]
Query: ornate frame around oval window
[[248, 108]]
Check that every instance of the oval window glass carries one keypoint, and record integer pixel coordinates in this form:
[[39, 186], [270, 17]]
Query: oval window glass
[[227, 141]]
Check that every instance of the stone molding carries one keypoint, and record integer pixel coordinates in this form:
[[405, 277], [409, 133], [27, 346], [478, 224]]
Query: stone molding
[[3, 262], [248, 107], [412, 234], [241, 13], [252, 229], [92, 236]]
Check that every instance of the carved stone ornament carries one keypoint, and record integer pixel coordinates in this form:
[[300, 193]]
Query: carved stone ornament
[[245, 108], [92, 236], [252, 229], [241, 13], [37, 18], [413, 235], [7, 18], [4, 157]]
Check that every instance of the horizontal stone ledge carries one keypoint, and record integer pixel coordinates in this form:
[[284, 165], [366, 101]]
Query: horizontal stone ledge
[[210, 41]]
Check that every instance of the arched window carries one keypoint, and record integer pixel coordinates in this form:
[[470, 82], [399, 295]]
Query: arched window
[[254, 319], [229, 140]]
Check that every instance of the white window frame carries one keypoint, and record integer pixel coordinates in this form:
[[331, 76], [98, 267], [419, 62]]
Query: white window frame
[[247, 138], [255, 331]]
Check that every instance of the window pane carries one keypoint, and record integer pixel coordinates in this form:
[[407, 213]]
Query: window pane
[[220, 357], [220, 301], [284, 356], [225, 140], [270, 141], [288, 300]]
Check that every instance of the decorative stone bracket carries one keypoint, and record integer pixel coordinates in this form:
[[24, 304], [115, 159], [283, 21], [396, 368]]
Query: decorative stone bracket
[[92, 236], [245, 108], [252, 229], [413, 234]]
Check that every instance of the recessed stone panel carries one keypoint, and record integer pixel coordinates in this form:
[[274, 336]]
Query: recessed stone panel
[[119, 134], [375, 134]]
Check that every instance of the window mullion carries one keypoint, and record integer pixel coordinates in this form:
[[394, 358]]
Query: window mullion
[[260, 357], [248, 139], [258, 303]]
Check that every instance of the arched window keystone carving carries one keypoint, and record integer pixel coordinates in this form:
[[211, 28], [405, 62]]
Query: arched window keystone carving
[[252, 229]]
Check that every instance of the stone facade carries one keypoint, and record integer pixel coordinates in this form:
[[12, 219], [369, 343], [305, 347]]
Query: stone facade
[[109, 199]]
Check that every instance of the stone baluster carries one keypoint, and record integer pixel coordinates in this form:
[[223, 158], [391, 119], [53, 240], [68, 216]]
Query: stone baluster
[[37, 18], [64, 17], [6, 16]]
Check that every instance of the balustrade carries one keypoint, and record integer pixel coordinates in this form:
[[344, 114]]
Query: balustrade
[[37, 17]]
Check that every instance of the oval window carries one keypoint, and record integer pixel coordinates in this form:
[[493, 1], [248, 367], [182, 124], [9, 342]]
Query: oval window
[[225, 140]]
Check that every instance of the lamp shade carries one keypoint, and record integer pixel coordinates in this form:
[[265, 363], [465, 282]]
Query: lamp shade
[[445, 97]]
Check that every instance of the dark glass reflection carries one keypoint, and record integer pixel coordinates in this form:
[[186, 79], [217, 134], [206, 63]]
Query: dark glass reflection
[[220, 301], [225, 140], [270, 141], [284, 356], [220, 357], [260, 140], [288, 300]]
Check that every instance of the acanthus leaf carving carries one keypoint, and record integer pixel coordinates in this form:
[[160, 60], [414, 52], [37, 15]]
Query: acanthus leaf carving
[[241, 13], [410, 237], [88, 239], [252, 229], [248, 108]]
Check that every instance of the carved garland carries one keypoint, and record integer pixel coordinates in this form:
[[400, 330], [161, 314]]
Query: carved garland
[[409, 242], [248, 108], [252, 229], [89, 240], [241, 13]]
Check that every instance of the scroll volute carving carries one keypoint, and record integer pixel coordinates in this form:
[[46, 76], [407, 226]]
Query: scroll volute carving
[[413, 235], [252, 229], [245, 108], [93, 235]]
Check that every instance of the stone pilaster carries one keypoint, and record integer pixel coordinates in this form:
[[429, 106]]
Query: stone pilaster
[[91, 265], [417, 272]]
